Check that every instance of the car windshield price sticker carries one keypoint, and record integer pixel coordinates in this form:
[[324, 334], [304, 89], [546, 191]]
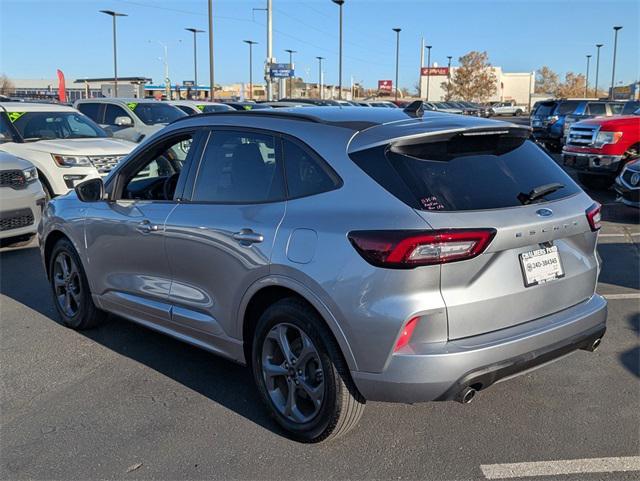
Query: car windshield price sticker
[[541, 266]]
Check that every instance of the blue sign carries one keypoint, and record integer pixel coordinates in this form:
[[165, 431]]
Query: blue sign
[[281, 70]]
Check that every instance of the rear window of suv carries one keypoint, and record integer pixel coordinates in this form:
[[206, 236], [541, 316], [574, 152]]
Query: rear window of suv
[[465, 173], [567, 107], [545, 109]]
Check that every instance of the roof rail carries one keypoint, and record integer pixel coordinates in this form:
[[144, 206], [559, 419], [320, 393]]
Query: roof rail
[[277, 113]]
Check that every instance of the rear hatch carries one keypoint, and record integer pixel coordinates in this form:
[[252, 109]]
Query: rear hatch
[[542, 257]]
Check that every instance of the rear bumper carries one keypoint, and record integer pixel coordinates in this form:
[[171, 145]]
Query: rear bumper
[[439, 371], [592, 163]]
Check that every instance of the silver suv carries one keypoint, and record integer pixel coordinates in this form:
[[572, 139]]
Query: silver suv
[[344, 254]]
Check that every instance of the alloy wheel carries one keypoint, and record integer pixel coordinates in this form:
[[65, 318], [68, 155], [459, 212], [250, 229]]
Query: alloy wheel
[[293, 373], [66, 284]]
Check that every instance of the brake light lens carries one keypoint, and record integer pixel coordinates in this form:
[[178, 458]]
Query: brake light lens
[[594, 216], [408, 249], [405, 335]]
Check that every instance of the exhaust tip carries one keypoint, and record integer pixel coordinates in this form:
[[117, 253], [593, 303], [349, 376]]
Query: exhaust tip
[[593, 346], [466, 395]]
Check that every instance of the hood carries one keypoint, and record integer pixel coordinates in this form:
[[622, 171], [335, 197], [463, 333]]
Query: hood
[[97, 146], [611, 122], [11, 162]]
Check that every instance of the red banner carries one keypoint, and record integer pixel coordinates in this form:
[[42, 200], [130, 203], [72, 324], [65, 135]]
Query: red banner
[[385, 85], [434, 71], [62, 88]]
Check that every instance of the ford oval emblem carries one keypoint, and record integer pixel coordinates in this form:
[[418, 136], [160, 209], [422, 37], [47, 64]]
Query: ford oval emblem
[[544, 212], [635, 179]]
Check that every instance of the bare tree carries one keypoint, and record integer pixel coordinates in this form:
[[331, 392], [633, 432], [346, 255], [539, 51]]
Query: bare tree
[[474, 79], [6, 85], [573, 85], [547, 81]]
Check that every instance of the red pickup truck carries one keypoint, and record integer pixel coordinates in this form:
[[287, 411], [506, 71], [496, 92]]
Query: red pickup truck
[[598, 148]]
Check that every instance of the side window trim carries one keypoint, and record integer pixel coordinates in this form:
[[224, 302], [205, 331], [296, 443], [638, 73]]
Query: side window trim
[[207, 134], [115, 188]]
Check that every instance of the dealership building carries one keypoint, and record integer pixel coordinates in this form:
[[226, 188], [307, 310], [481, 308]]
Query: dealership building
[[516, 87]]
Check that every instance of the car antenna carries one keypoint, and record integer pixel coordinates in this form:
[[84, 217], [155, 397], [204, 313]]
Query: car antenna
[[415, 109]]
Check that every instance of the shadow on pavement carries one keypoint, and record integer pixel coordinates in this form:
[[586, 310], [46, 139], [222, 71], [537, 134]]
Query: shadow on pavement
[[22, 278], [621, 265], [631, 358]]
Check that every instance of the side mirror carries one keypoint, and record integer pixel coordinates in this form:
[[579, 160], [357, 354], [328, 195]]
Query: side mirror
[[123, 121], [91, 190]]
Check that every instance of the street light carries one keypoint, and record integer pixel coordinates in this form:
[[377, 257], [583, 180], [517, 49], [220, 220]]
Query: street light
[[115, 49], [397, 30], [598, 45], [291, 52], [428, 47], [212, 86], [251, 43], [340, 3], [586, 83], [449, 57], [320, 59], [195, 57], [615, 47]]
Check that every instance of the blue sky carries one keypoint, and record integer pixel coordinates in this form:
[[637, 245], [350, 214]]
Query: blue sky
[[39, 36]]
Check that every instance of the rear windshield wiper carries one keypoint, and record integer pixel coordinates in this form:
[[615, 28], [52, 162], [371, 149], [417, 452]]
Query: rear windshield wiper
[[538, 192]]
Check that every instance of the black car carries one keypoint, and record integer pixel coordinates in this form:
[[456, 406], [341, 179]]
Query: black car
[[248, 105]]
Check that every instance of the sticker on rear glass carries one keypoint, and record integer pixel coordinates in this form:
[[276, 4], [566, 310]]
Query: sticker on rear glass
[[431, 203], [13, 116], [132, 105]]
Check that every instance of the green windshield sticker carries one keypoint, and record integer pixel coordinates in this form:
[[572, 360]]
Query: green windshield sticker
[[13, 116], [247, 107], [200, 107], [132, 105]]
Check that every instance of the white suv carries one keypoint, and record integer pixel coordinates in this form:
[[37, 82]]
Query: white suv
[[64, 145]]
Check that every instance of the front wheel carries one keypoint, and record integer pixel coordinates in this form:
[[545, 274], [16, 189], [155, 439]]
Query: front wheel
[[301, 375], [71, 292]]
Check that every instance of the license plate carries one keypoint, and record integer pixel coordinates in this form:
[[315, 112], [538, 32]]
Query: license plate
[[541, 266]]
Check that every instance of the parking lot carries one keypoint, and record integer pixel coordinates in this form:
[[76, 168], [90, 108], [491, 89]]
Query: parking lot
[[125, 402]]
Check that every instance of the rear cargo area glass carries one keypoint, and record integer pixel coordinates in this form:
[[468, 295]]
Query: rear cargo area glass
[[465, 173]]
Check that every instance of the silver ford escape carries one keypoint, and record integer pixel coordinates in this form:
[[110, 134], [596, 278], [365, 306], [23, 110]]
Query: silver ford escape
[[344, 254]]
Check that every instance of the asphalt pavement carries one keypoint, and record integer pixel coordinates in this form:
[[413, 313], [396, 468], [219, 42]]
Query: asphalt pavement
[[123, 402]]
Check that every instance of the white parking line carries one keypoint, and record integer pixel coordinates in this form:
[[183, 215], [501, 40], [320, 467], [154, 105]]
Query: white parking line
[[555, 468], [619, 235], [631, 295]]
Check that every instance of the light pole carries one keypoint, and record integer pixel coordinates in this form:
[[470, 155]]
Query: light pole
[[613, 69], [113, 15], [428, 47], [251, 43], [291, 52], [449, 57], [397, 30], [598, 45], [212, 86], [320, 59], [340, 3], [195, 57], [586, 83]]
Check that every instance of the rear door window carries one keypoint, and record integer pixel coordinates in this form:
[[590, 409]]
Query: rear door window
[[465, 173], [92, 110]]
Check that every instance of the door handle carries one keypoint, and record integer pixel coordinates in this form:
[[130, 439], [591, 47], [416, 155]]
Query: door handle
[[146, 227], [246, 237]]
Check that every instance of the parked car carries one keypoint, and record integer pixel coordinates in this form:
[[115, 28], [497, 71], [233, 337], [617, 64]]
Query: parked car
[[548, 121], [317, 102], [628, 184], [630, 106], [247, 106], [599, 148], [194, 107], [445, 107], [466, 110], [476, 109], [382, 103], [507, 108], [345, 255], [589, 109], [21, 200], [65, 146], [129, 119], [280, 104]]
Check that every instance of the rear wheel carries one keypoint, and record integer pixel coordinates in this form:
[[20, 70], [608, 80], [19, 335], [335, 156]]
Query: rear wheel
[[595, 182], [71, 292], [518, 113], [301, 375]]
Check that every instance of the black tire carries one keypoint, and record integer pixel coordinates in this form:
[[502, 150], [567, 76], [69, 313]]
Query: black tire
[[518, 113], [85, 315], [342, 405], [595, 182]]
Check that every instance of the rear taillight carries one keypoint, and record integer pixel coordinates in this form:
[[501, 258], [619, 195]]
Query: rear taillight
[[408, 249], [594, 216], [405, 335]]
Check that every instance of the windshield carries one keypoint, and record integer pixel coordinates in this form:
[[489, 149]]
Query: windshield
[[215, 108], [55, 125], [152, 113], [631, 107]]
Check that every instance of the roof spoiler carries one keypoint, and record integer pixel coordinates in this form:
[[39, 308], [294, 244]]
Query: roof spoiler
[[415, 109]]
